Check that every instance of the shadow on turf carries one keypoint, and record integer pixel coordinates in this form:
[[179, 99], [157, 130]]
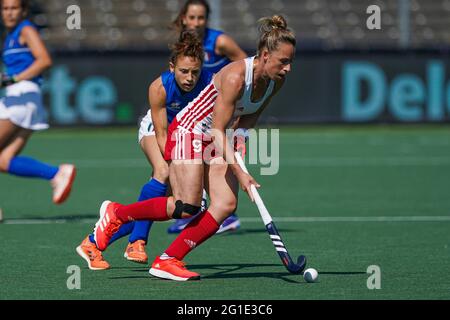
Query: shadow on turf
[[225, 270], [233, 267], [250, 231]]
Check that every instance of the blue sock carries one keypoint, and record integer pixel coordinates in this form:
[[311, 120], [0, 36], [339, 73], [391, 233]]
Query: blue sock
[[92, 239], [124, 230], [28, 167], [151, 189]]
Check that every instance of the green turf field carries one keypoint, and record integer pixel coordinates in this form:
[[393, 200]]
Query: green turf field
[[346, 197]]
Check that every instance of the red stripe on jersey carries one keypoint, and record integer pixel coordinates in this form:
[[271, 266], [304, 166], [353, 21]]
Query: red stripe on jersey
[[193, 104], [196, 107], [204, 113]]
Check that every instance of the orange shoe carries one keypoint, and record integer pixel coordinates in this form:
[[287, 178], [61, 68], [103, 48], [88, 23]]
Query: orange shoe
[[136, 252], [89, 252], [107, 225], [172, 269], [62, 182]]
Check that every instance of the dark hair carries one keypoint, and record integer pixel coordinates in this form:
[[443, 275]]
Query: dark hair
[[273, 31], [177, 24], [189, 45], [24, 4]]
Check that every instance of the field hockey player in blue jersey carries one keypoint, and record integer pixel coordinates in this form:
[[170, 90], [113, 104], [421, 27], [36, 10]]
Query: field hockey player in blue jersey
[[25, 58], [168, 95]]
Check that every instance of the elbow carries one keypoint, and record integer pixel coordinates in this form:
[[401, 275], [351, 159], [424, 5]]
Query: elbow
[[47, 63]]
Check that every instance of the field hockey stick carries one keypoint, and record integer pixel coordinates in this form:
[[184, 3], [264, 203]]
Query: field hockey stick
[[290, 265]]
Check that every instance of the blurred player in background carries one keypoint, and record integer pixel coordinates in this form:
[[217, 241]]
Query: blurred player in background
[[220, 49], [168, 95], [21, 110], [241, 90]]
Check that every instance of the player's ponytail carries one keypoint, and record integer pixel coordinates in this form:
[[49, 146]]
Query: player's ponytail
[[274, 30], [177, 24], [189, 45]]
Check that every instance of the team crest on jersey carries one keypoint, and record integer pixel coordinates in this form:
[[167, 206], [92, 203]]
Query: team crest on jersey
[[175, 105], [207, 57]]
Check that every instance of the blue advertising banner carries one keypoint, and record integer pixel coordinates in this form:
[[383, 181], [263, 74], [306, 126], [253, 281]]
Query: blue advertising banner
[[109, 89]]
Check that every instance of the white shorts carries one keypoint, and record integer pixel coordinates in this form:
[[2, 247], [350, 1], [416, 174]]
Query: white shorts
[[146, 128], [23, 106]]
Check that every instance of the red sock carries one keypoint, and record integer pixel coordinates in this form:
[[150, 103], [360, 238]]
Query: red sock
[[196, 232], [154, 209]]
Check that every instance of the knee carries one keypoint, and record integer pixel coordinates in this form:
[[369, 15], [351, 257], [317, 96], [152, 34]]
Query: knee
[[226, 207], [185, 210], [231, 207]]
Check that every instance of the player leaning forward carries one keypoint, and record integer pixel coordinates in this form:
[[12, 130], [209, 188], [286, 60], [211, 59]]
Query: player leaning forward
[[244, 88]]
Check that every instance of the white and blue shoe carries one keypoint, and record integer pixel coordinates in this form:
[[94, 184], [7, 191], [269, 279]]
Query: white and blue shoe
[[179, 225], [230, 224]]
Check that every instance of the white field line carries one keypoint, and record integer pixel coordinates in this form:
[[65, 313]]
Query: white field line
[[257, 219], [367, 161], [388, 161], [47, 221], [356, 219], [405, 142]]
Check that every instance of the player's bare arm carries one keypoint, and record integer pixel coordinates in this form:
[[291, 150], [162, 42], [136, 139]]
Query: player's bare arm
[[232, 85], [157, 99], [226, 46], [30, 37]]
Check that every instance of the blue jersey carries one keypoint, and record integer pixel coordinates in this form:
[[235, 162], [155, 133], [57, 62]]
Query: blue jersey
[[176, 99], [17, 57], [213, 62]]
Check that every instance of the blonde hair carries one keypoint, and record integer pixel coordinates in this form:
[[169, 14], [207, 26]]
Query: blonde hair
[[274, 30]]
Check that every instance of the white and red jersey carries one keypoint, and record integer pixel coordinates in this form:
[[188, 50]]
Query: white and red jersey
[[189, 133], [196, 117]]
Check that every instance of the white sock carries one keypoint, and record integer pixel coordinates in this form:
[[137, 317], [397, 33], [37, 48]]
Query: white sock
[[164, 256]]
